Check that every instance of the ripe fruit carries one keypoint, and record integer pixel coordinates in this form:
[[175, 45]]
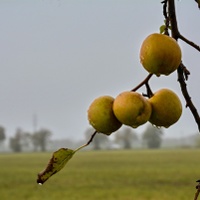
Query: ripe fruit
[[132, 109], [101, 116], [160, 54], [166, 108]]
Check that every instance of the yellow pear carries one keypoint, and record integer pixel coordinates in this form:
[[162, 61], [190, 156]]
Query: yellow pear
[[101, 116], [131, 108], [166, 108], [160, 54]]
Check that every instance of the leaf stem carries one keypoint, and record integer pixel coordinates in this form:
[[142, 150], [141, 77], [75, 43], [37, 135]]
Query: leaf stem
[[89, 141]]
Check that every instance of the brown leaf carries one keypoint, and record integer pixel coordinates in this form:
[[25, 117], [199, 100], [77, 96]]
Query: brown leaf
[[56, 163]]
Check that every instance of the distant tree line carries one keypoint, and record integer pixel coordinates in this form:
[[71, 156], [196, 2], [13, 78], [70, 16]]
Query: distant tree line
[[2, 135], [24, 141], [36, 141], [125, 138]]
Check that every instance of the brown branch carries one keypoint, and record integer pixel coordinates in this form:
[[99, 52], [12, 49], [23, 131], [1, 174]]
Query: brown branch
[[186, 72], [149, 91], [186, 95], [197, 192], [189, 42], [173, 21], [174, 26], [91, 138], [182, 73], [142, 83], [198, 2], [166, 17]]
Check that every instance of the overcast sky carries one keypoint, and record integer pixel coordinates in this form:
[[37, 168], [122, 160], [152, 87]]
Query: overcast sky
[[56, 56]]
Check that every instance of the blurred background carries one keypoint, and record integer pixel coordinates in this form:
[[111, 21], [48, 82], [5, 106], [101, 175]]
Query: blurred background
[[57, 56]]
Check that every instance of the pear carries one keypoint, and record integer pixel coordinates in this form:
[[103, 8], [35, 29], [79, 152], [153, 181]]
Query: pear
[[160, 54], [132, 109], [166, 108], [101, 116]]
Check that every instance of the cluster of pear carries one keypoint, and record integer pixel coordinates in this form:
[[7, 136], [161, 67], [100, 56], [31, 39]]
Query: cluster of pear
[[159, 54]]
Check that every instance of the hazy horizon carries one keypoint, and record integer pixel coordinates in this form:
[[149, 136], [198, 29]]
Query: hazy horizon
[[57, 56]]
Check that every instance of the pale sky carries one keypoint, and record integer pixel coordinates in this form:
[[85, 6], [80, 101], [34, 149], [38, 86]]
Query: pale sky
[[56, 56]]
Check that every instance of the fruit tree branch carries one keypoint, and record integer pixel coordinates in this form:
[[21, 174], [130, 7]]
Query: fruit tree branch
[[197, 192], [186, 95], [91, 138], [198, 2], [182, 71], [144, 82], [174, 25], [189, 42]]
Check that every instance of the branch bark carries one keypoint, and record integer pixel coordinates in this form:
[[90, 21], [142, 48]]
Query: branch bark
[[181, 69]]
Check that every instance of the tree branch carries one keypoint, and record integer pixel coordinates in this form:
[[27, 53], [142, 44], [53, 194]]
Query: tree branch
[[174, 26], [186, 95], [166, 16], [182, 71], [145, 81], [173, 22], [189, 42], [91, 138], [198, 2], [197, 192]]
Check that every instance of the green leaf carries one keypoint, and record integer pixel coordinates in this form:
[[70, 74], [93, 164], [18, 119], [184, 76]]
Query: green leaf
[[162, 29], [58, 160]]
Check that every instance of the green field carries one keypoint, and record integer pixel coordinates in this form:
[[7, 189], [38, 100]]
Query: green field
[[103, 175]]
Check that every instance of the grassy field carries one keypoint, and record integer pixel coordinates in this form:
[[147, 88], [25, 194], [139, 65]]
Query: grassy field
[[103, 175]]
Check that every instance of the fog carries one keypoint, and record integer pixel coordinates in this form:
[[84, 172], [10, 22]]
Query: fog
[[56, 56]]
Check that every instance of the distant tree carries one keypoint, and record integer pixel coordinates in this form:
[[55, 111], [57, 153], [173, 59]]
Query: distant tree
[[126, 138], [100, 140], [26, 141], [152, 137], [2, 135], [40, 139], [197, 142], [15, 142]]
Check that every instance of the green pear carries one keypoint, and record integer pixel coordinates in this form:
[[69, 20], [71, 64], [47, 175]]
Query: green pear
[[101, 116], [160, 54], [132, 109], [166, 108]]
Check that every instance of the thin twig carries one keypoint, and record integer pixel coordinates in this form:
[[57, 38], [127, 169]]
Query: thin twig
[[197, 192], [189, 42], [166, 17], [142, 83], [91, 138], [174, 26], [149, 91]]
